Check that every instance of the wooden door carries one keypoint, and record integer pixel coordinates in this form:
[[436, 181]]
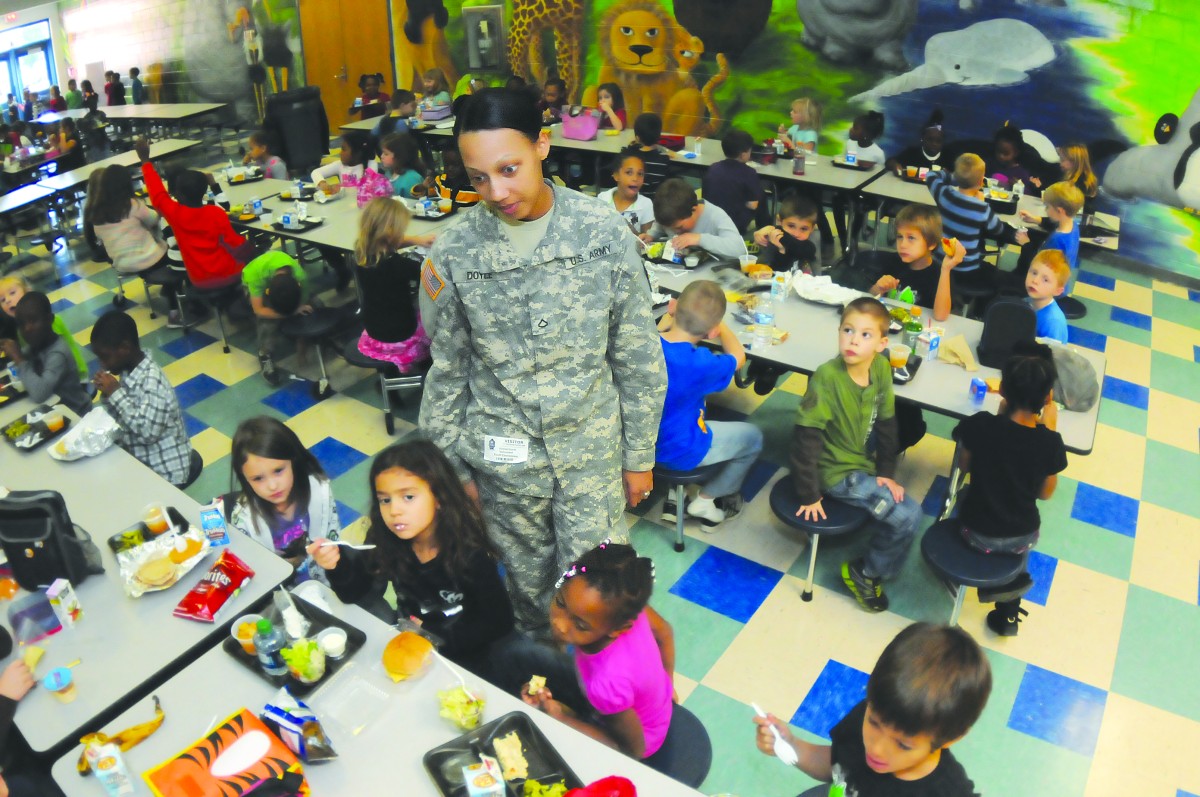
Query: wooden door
[[342, 40]]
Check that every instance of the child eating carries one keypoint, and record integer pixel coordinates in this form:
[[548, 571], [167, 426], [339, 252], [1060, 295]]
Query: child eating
[[46, 363], [786, 246], [694, 223]]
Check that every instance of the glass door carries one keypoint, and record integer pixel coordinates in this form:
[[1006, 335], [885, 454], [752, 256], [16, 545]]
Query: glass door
[[34, 64]]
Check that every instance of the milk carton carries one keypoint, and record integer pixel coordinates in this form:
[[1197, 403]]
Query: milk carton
[[484, 779], [64, 603], [928, 343]]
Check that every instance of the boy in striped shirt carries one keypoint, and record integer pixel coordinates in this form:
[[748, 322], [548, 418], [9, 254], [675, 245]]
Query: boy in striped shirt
[[967, 216]]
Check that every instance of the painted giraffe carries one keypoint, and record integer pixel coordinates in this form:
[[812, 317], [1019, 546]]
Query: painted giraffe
[[530, 20]]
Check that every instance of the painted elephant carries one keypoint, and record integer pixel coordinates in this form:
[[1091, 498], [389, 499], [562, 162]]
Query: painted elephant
[[846, 31]]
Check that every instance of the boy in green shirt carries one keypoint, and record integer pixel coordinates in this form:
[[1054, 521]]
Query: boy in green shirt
[[845, 446], [278, 289]]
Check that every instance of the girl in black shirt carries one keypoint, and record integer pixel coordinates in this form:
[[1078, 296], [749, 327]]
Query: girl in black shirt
[[431, 546], [1014, 459]]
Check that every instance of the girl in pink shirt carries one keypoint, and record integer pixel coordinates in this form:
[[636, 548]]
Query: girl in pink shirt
[[624, 656]]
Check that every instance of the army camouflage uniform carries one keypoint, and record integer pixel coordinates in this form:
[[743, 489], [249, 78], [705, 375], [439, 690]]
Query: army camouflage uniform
[[560, 351]]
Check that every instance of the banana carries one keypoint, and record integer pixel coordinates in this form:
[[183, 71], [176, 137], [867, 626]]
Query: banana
[[125, 740]]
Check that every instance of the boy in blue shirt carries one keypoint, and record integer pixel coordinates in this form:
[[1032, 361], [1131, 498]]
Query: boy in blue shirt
[[1047, 277], [685, 439], [1063, 202]]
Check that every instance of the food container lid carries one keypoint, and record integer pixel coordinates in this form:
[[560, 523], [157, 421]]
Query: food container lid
[[58, 679]]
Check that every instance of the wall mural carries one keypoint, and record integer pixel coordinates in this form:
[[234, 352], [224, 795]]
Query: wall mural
[[1062, 70]]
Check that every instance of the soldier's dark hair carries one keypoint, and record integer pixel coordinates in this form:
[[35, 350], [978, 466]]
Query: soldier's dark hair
[[498, 109], [624, 580], [930, 679]]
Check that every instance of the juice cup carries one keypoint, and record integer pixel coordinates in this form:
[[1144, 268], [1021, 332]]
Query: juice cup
[[54, 421], [445, 205], [156, 519], [899, 354], [61, 683]]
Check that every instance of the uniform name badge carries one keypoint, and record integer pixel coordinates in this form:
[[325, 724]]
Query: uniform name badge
[[508, 450]]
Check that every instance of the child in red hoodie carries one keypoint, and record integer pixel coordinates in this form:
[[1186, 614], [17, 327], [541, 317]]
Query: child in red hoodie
[[206, 239]]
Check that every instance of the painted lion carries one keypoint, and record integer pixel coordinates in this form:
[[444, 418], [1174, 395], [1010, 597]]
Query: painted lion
[[650, 57]]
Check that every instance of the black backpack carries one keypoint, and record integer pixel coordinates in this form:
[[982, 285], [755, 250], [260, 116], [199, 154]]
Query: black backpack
[[1007, 323], [41, 543]]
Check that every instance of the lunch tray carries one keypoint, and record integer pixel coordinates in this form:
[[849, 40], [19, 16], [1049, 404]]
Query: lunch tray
[[305, 226], [305, 196], [445, 762], [236, 218], [38, 428], [437, 214], [907, 179], [858, 167], [319, 620], [248, 179], [1003, 206], [914, 365], [140, 533]]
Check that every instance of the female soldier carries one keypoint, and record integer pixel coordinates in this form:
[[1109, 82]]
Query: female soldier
[[548, 378]]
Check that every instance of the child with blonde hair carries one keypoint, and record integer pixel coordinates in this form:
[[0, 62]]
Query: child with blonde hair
[[437, 90], [806, 125]]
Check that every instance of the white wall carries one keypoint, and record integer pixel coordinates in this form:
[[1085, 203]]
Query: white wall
[[58, 39]]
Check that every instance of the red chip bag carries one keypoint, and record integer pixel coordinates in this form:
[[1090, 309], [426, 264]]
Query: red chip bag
[[219, 584], [611, 786]]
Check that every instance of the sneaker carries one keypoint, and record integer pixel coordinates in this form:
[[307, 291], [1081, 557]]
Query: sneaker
[[867, 591], [707, 512], [1003, 622], [1006, 592], [174, 320], [269, 372], [731, 505], [670, 512]]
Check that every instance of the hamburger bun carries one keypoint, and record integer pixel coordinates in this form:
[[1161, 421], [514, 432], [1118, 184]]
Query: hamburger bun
[[157, 572], [405, 655], [948, 245]]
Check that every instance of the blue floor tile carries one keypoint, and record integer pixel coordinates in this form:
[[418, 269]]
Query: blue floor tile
[[935, 499], [1133, 319], [61, 304], [187, 343], [1105, 509], [837, 689], [760, 473], [1182, 793], [336, 457], [727, 584], [193, 424], [346, 515], [1099, 280], [1041, 567], [291, 399], [1129, 393], [66, 278], [1196, 353], [1086, 338], [1058, 710], [1194, 296], [196, 389]]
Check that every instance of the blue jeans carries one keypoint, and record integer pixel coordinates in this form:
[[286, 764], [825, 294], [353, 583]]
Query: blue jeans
[[895, 523], [737, 444]]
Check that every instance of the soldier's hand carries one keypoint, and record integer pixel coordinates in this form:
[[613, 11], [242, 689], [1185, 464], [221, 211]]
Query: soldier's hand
[[638, 485]]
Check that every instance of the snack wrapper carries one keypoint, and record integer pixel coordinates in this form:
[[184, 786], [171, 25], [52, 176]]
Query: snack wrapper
[[223, 581], [92, 435], [159, 563], [296, 724]]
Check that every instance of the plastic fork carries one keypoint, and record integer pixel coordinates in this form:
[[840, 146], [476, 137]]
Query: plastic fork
[[454, 671], [345, 544], [783, 751]]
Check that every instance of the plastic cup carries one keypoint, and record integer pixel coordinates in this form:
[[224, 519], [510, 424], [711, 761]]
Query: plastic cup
[[691, 261], [155, 518], [911, 171], [333, 642], [61, 683], [747, 261], [899, 354], [245, 636], [471, 716], [445, 205], [53, 420]]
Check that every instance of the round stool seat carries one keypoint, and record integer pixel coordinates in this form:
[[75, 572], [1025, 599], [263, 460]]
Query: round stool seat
[[1072, 308], [957, 562], [320, 323], [840, 518], [352, 355], [694, 476]]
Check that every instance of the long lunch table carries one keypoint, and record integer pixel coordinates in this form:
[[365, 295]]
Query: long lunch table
[[888, 186], [71, 180], [386, 756], [54, 117], [160, 112], [937, 386], [127, 646]]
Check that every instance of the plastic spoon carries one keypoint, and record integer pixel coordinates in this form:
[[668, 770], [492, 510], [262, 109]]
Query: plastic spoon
[[783, 751], [329, 543]]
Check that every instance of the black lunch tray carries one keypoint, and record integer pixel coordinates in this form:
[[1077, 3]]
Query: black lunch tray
[[34, 428], [305, 226], [445, 762], [139, 533], [319, 620]]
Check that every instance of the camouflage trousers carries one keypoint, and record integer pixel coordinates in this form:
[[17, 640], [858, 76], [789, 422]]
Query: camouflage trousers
[[539, 538]]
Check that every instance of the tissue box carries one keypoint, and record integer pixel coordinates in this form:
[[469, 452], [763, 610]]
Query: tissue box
[[63, 602], [928, 343], [483, 779]]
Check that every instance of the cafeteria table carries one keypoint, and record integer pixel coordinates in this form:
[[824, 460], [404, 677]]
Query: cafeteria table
[[127, 646], [160, 112], [385, 757], [938, 386], [889, 187], [71, 180]]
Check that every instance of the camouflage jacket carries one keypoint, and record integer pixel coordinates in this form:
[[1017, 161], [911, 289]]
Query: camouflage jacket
[[560, 350]]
